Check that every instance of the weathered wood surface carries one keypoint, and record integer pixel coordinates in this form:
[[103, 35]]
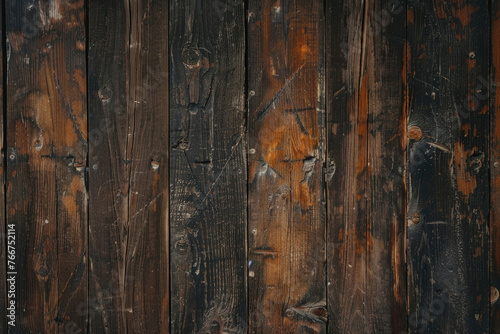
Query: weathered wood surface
[[494, 86], [365, 166], [448, 201], [128, 167], [208, 167], [46, 143], [287, 290], [247, 166]]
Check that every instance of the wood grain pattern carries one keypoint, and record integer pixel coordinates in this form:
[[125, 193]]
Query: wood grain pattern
[[365, 167], [287, 288], [347, 178], [250, 166], [494, 84], [385, 249], [208, 166], [448, 174], [128, 167], [47, 141]]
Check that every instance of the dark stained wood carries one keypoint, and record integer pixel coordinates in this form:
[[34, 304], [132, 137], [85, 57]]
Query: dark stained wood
[[365, 166], [287, 288], [208, 167], [448, 172], [494, 85], [128, 167], [386, 266], [46, 144]]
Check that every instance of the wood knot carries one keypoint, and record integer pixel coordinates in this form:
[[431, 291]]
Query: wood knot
[[79, 166], [182, 144], [475, 162], [104, 94], [415, 133], [38, 144], [155, 165], [191, 57], [331, 170], [181, 247], [215, 327], [193, 108]]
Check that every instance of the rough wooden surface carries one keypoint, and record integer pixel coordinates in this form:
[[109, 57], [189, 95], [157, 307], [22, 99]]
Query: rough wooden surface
[[208, 167], [128, 167], [46, 142], [346, 175], [365, 166], [287, 290], [494, 84], [448, 171], [251, 166]]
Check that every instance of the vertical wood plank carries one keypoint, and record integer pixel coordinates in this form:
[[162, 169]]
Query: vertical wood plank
[[385, 249], [208, 166], [128, 166], [494, 84], [47, 141], [365, 166], [346, 177], [448, 175], [287, 288]]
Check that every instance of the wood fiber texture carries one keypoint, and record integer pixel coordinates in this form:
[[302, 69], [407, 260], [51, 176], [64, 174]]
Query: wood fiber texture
[[286, 203], [208, 167], [365, 166], [128, 167], [250, 166]]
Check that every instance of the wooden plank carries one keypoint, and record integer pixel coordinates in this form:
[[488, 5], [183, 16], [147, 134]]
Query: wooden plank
[[365, 166], [208, 166], [494, 85], [128, 166], [287, 288], [448, 190], [46, 144], [385, 252], [346, 177]]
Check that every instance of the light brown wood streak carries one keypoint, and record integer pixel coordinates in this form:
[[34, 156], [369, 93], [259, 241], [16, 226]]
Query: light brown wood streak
[[46, 194], [286, 204]]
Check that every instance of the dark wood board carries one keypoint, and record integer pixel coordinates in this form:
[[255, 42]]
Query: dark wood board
[[128, 167], [448, 186], [494, 86], [366, 118], [286, 228], [46, 144], [208, 167]]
